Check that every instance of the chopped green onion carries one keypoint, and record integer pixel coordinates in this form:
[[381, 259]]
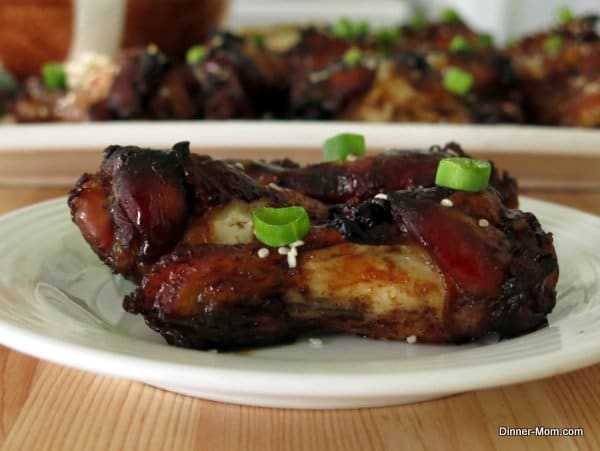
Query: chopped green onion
[[418, 21], [352, 56], [512, 41], [553, 44], [386, 38], [564, 15], [344, 28], [258, 40], [195, 54], [462, 173], [361, 28], [280, 226], [460, 44], [54, 76], [458, 81], [450, 15], [338, 147], [486, 40]]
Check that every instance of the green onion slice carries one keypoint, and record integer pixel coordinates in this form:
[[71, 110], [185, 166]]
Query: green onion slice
[[450, 15], [280, 226], [352, 56], [462, 173], [54, 76], [344, 28], [553, 44], [486, 40], [564, 15], [460, 44], [195, 54], [418, 21], [386, 39], [458, 81], [338, 147]]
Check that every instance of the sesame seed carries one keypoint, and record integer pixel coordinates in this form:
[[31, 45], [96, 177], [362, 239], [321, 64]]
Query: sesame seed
[[483, 223], [297, 243], [446, 203], [283, 250], [381, 196], [275, 186], [411, 339], [239, 166], [293, 251], [351, 158], [291, 260], [315, 342], [263, 252], [317, 77]]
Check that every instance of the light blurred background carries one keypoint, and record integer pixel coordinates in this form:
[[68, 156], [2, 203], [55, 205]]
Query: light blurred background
[[502, 18]]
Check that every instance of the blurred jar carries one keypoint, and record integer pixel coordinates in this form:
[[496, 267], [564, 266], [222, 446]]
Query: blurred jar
[[33, 32]]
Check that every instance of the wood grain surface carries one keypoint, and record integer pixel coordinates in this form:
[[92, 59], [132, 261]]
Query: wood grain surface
[[49, 407]]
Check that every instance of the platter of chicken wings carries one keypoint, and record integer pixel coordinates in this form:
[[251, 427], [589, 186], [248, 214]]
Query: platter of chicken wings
[[364, 280]]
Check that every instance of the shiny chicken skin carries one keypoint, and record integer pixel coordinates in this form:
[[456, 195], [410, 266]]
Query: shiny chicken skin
[[142, 202], [179, 224], [387, 268], [559, 72]]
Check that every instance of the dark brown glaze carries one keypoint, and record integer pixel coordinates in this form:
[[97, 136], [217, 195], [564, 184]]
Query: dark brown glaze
[[500, 278], [437, 36], [148, 86], [355, 181], [240, 79], [143, 202], [561, 86], [407, 86]]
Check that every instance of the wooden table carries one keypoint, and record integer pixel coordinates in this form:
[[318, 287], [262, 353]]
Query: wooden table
[[46, 406]]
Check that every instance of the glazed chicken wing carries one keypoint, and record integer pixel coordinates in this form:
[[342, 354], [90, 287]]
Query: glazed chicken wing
[[143, 202], [441, 265], [387, 268]]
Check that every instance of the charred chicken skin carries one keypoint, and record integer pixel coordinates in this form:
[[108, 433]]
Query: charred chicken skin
[[383, 267], [142, 202], [550, 78]]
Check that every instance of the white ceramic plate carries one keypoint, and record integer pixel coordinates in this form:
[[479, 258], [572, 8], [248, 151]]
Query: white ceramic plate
[[59, 303], [241, 135]]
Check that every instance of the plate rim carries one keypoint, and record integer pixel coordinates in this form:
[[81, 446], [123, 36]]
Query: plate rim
[[260, 381], [275, 134]]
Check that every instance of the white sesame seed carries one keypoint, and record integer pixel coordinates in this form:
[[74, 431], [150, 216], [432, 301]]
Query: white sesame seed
[[291, 260], [317, 77], [239, 165], [483, 223], [351, 158], [446, 203], [381, 196], [315, 342], [297, 243], [275, 186], [411, 339], [283, 250], [293, 251], [263, 252]]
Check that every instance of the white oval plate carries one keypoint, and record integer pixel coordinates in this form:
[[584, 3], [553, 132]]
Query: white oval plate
[[60, 303]]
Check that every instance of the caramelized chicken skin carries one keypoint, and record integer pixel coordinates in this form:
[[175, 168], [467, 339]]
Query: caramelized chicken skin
[[143, 202], [382, 269], [356, 181]]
